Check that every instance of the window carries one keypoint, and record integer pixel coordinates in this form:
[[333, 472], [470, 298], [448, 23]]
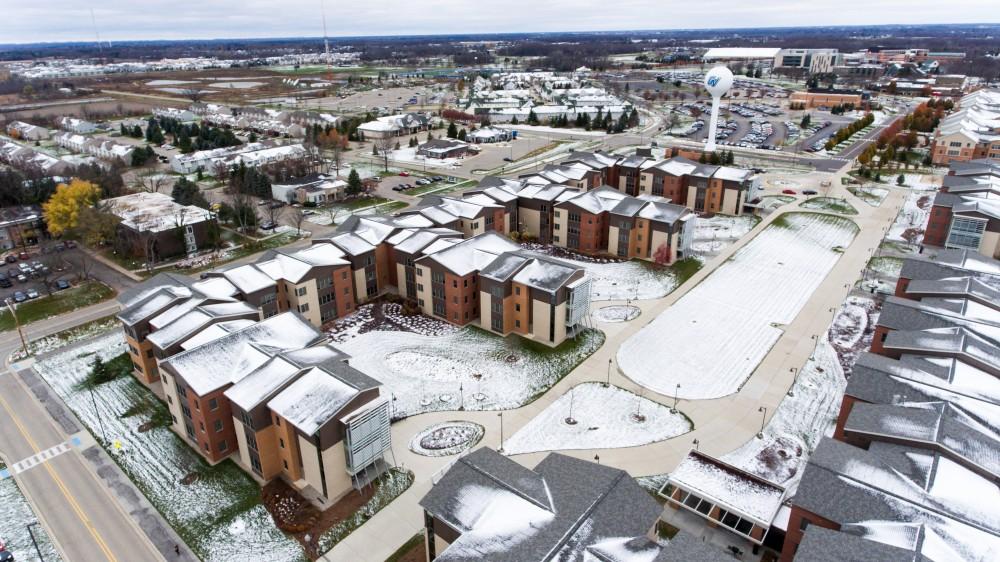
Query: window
[[420, 287], [465, 282], [517, 290], [269, 298], [420, 302], [284, 463], [326, 298], [213, 404], [489, 221], [517, 307], [420, 272], [223, 446], [277, 421], [149, 353], [555, 226], [475, 225], [454, 284], [281, 442], [324, 282], [218, 426], [301, 291], [304, 307], [437, 277], [803, 524], [343, 275], [201, 426]]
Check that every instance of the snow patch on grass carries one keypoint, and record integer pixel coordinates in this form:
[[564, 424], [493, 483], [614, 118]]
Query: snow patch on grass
[[912, 219], [714, 234], [447, 438], [616, 313], [605, 419], [432, 373], [712, 339], [15, 515]]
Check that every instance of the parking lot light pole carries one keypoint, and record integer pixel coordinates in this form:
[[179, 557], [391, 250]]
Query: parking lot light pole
[[13, 313], [33, 541], [763, 410]]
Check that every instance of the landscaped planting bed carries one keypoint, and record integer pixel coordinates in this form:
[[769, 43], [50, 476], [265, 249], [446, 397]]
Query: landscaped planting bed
[[448, 438]]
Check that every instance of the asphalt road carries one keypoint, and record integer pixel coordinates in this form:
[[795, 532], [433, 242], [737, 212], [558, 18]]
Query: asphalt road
[[79, 512]]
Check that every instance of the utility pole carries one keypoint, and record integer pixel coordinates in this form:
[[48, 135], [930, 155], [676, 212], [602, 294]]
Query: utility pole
[[24, 344], [500, 450], [97, 414]]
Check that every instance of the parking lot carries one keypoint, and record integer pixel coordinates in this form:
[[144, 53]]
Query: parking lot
[[62, 266]]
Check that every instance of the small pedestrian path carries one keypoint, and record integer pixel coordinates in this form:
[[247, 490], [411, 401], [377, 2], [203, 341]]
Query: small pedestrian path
[[39, 458]]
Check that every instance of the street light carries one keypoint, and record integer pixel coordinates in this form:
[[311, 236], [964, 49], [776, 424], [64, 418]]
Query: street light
[[608, 382], [795, 378], [676, 391], [696, 443], [500, 450], [570, 420], [762, 409], [24, 344], [33, 541]]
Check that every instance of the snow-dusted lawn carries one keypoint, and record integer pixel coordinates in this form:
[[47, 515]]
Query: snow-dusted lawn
[[604, 417], [912, 218], [431, 373], [51, 343], [616, 313], [568, 131], [920, 182], [712, 339], [392, 319], [831, 204], [798, 423], [15, 514], [623, 280], [715, 234], [447, 438], [870, 194], [220, 515], [886, 265]]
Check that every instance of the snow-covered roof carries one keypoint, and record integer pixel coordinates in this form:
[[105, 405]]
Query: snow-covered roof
[[248, 278], [312, 400], [546, 274], [154, 212], [728, 486], [228, 359], [473, 254], [215, 331]]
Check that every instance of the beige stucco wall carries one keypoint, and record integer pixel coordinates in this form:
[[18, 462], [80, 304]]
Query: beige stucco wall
[[531, 221], [613, 240], [424, 279], [485, 311], [645, 182], [338, 482], [989, 246], [540, 320], [560, 220], [359, 286], [658, 239], [310, 463], [401, 280], [731, 204], [173, 404], [311, 298], [560, 314], [243, 459]]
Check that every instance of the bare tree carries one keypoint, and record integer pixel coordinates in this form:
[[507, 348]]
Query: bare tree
[[337, 153], [193, 94], [297, 217], [152, 182], [80, 263], [383, 147]]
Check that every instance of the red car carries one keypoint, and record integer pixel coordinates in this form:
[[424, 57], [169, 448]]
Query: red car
[[405, 174], [23, 256], [788, 191]]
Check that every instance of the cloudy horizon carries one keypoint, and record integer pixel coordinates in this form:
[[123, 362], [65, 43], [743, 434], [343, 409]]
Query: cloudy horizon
[[118, 20]]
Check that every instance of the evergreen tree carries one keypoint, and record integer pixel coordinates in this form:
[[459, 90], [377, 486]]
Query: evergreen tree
[[452, 130], [703, 159], [354, 185], [121, 129], [462, 135]]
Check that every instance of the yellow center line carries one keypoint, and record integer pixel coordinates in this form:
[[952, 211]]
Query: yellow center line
[[62, 487]]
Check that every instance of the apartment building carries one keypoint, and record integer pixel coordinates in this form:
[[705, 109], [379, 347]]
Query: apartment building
[[26, 131], [282, 404], [971, 132], [155, 227], [579, 509], [911, 472], [966, 214], [20, 226], [95, 146], [28, 159], [74, 125], [253, 155]]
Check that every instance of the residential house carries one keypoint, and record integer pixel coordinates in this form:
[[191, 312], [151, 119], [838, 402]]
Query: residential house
[[445, 148], [155, 227], [391, 126], [20, 226], [26, 131], [74, 125]]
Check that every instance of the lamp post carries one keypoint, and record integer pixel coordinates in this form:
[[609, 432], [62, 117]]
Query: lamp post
[[608, 382], [763, 410], [676, 392], [97, 414], [500, 450], [795, 377], [33, 541], [13, 313], [569, 420], [597, 459]]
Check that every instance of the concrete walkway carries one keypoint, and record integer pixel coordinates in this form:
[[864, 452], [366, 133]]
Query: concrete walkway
[[721, 425]]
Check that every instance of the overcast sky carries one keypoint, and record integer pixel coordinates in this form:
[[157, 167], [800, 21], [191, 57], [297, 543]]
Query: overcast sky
[[69, 20]]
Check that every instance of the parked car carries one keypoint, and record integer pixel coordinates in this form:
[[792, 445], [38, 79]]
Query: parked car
[[422, 182], [13, 272], [32, 294], [809, 192], [398, 188], [62, 285], [59, 247], [404, 174], [23, 256], [788, 191], [71, 244], [5, 282], [267, 225], [19, 296], [6, 556], [11, 258], [22, 278], [508, 159]]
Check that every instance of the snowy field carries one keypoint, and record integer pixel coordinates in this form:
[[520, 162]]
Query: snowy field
[[830, 204], [219, 514], [469, 367], [616, 313], [15, 515], [605, 420], [447, 438], [912, 218], [920, 182], [715, 234], [713, 338], [797, 424], [544, 129], [51, 343]]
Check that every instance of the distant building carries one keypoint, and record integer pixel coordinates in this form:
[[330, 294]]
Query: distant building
[[26, 131], [182, 115], [20, 226], [819, 98], [394, 126], [252, 155], [28, 159], [152, 224], [445, 148], [74, 125], [106, 149], [971, 132], [966, 213], [815, 61]]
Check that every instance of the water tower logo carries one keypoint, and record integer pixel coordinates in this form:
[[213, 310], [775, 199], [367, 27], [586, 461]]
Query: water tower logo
[[713, 80]]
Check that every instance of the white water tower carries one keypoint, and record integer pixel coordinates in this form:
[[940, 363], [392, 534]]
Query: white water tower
[[718, 81]]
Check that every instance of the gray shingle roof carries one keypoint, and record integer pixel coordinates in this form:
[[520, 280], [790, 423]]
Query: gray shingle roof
[[826, 545]]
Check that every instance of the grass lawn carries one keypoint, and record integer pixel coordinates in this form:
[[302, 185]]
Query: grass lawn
[[85, 294], [886, 265], [59, 339], [412, 549], [869, 194], [440, 188], [249, 247], [832, 204]]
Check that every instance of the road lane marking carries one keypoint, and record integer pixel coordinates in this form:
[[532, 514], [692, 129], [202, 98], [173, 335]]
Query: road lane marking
[[62, 487], [38, 458]]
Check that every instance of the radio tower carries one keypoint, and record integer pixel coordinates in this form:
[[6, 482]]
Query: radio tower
[[326, 40], [97, 32]]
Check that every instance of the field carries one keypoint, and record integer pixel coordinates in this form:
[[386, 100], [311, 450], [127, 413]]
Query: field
[[711, 340], [83, 295]]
